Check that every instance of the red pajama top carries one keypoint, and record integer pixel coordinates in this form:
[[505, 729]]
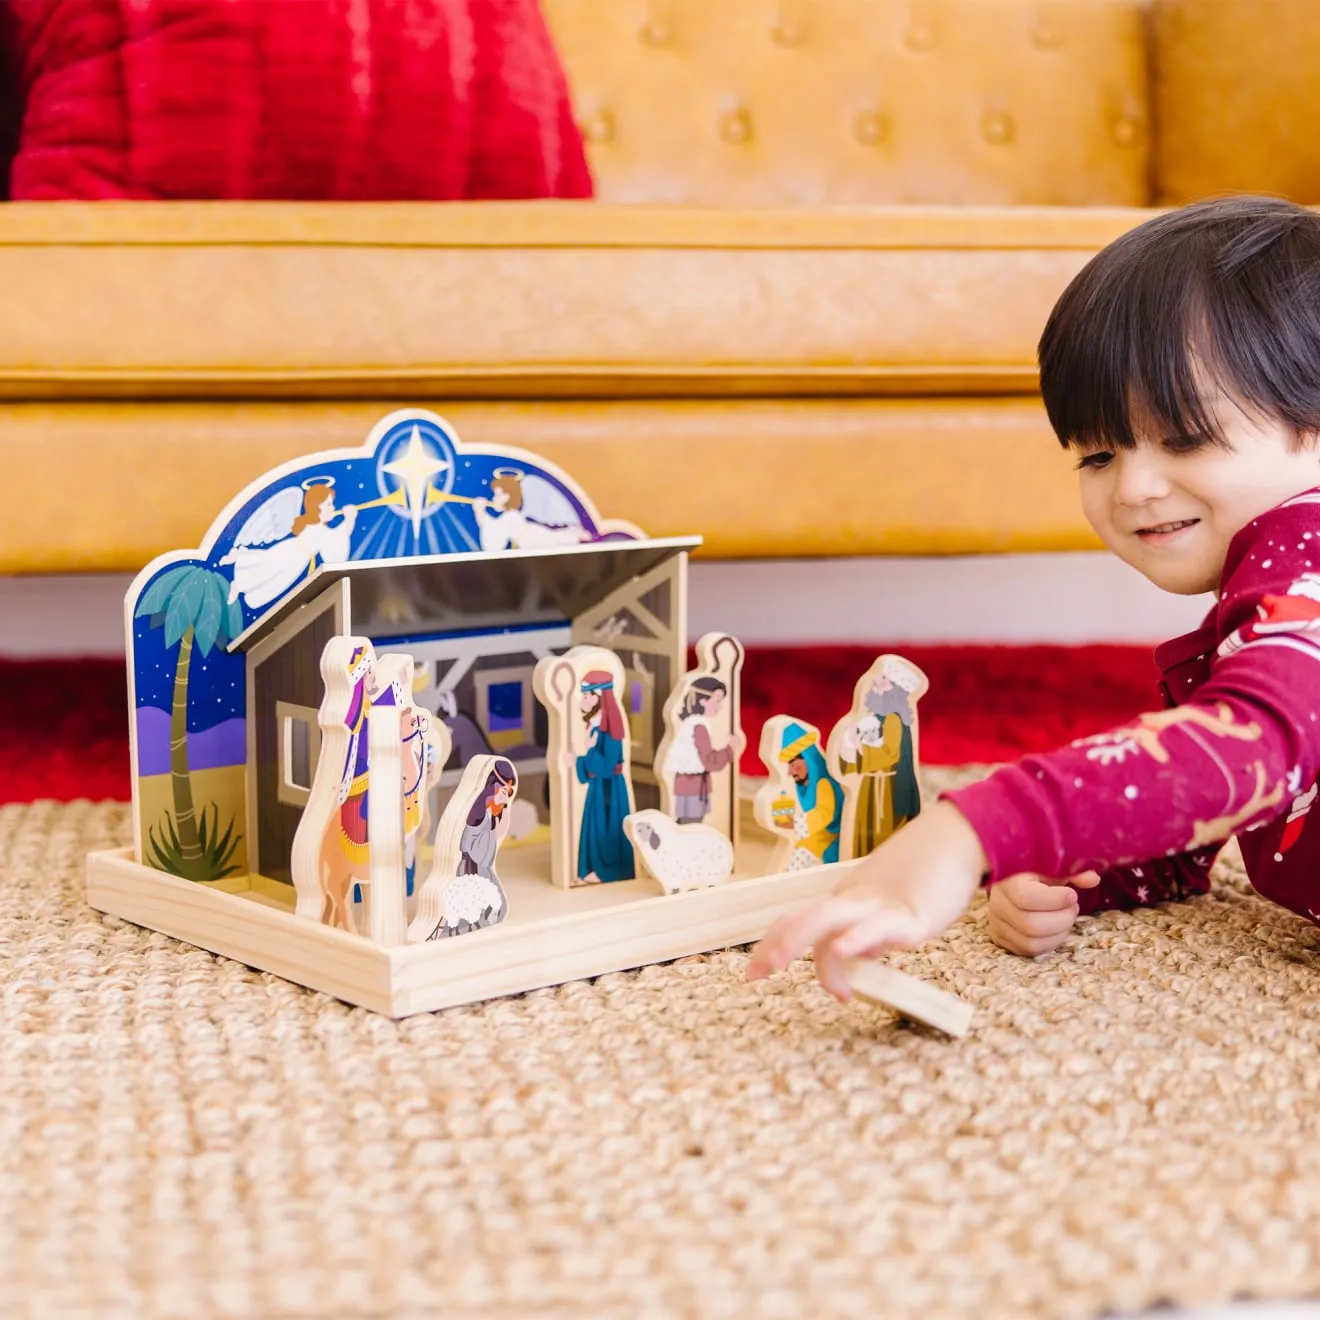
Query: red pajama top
[[1236, 751]]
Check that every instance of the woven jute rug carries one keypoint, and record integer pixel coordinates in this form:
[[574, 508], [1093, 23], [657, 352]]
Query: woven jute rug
[[1134, 1119]]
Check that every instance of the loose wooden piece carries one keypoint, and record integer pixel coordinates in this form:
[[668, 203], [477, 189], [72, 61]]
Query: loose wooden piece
[[697, 760], [588, 761], [386, 914], [680, 856], [802, 805], [873, 754], [908, 996], [463, 893]]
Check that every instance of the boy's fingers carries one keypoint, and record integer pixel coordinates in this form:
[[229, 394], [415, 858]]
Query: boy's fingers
[[1087, 880], [1023, 947], [830, 970], [1034, 895], [792, 935], [881, 929], [1034, 925]]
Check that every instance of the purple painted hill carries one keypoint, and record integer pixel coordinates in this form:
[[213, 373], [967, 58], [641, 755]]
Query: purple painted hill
[[223, 744]]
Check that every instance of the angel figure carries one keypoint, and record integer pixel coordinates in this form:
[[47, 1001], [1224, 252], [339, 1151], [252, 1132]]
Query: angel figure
[[286, 537], [526, 512]]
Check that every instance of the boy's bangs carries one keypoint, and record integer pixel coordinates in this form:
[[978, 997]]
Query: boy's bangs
[[1217, 299], [1139, 359]]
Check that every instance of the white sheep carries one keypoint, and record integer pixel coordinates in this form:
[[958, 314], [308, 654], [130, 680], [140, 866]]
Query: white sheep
[[680, 856]]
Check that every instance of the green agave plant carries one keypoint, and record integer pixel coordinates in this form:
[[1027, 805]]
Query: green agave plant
[[217, 850]]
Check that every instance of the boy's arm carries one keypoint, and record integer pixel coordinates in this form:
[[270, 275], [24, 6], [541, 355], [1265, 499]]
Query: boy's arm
[[1172, 782], [1179, 780]]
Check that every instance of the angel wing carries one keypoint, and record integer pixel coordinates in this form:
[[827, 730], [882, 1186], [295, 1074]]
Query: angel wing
[[543, 502], [273, 520]]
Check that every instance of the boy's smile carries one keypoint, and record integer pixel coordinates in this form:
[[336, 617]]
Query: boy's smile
[[1170, 506]]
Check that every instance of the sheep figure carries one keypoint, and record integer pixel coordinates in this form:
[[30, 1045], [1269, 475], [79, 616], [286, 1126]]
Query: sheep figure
[[680, 856]]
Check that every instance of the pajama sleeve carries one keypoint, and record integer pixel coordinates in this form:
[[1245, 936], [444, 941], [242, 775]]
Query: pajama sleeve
[[1180, 780], [1164, 880]]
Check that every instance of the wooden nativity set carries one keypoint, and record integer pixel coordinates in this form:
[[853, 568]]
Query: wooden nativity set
[[415, 726]]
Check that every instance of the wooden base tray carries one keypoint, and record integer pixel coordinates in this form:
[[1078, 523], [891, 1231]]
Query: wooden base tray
[[550, 936]]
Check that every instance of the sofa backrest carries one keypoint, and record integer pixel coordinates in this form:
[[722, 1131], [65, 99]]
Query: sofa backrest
[[1237, 98], [811, 102]]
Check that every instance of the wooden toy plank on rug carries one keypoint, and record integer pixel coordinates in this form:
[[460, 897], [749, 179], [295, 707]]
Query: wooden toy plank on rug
[[908, 996]]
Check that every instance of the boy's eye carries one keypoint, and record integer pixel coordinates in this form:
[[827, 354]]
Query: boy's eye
[[1185, 444], [1099, 459]]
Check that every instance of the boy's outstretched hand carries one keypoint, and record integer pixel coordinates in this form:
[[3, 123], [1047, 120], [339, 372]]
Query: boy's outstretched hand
[[913, 887]]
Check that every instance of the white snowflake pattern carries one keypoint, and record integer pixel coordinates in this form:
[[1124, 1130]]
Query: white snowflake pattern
[[1108, 748], [1143, 894]]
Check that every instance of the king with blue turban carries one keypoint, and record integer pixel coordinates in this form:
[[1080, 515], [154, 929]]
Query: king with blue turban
[[819, 799]]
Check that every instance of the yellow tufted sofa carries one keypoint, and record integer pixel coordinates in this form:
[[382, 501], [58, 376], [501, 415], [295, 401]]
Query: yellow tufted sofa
[[800, 317]]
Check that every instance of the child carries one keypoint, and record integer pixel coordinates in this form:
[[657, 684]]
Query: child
[[1182, 367]]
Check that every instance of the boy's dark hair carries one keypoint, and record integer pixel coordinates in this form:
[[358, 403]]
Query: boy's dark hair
[[1229, 287]]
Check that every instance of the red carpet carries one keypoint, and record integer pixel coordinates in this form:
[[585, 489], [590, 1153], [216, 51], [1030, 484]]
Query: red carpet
[[64, 724]]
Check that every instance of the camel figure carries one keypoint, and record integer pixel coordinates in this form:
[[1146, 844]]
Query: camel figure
[[331, 852], [344, 860]]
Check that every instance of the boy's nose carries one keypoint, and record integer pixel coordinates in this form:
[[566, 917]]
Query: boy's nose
[[1141, 478]]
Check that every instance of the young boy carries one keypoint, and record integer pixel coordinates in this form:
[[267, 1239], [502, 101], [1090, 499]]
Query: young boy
[[1182, 366]]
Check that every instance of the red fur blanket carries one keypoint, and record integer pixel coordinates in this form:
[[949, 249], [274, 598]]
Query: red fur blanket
[[300, 99]]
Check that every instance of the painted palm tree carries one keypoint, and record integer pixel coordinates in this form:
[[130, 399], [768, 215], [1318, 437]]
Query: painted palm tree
[[191, 602]]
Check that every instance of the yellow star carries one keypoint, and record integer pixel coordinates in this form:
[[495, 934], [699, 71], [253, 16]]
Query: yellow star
[[414, 472]]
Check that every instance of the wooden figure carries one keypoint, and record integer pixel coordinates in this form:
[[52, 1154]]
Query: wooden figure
[[463, 891], [387, 831], [331, 850], [680, 856], [908, 996], [803, 803], [589, 764], [697, 760], [873, 754]]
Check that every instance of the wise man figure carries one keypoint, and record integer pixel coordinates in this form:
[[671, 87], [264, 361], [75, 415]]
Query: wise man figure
[[819, 799], [879, 748]]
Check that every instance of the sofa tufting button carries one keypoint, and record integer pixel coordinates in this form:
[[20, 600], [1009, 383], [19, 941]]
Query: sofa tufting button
[[786, 34], [598, 126], [870, 128], [997, 128], [1124, 130], [655, 33], [736, 125], [1046, 33], [920, 37]]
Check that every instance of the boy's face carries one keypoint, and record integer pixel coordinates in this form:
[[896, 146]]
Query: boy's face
[[1170, 507]]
